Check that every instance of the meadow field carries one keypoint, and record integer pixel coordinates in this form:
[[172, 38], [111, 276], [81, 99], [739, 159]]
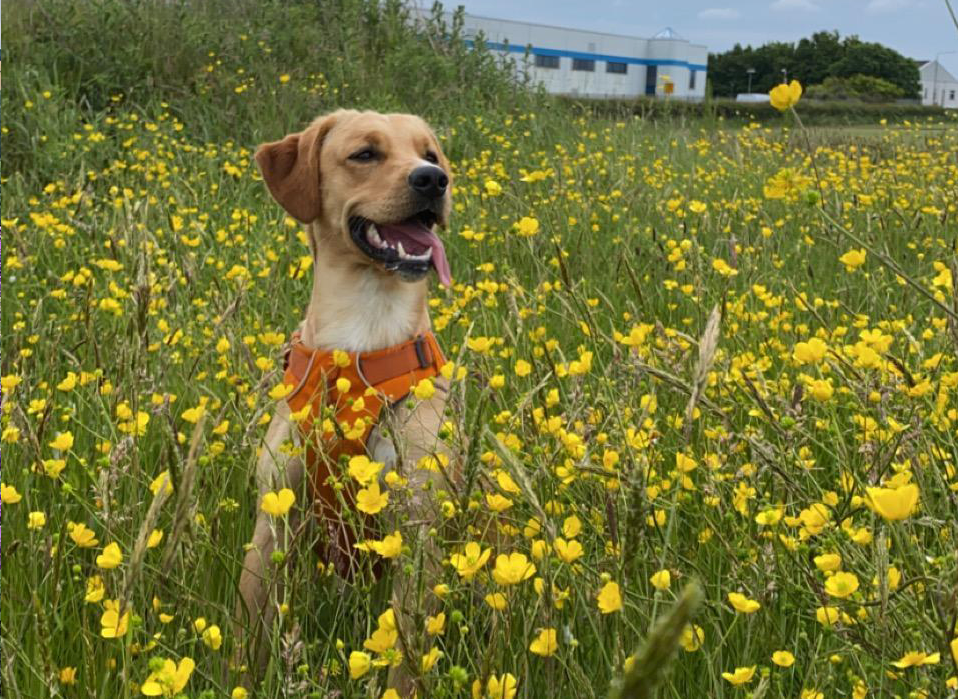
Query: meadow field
[[719, 354]]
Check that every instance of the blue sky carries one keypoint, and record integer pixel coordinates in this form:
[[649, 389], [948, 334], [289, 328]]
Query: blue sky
[[915, 28]]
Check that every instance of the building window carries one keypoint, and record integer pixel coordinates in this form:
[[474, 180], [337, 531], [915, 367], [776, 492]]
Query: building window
[[613, 67], [691, 79], [583, 64], [951, 96], [651, 77], [547, 61]]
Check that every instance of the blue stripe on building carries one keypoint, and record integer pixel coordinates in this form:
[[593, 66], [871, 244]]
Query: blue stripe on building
[[536, 51]]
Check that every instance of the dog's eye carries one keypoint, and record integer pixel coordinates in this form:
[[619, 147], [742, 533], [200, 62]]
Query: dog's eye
[[432, 157], [363, 156]]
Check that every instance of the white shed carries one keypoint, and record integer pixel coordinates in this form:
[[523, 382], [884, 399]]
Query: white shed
[[938, 86]]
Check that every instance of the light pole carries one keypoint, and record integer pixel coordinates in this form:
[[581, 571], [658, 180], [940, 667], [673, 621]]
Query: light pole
[[751, 72], [784, 75], [934, 88]]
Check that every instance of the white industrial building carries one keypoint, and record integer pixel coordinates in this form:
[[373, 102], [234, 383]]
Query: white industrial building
[[938, 86], [595, 64]]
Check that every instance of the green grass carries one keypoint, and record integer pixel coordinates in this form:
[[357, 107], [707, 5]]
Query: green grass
[[137, 235]]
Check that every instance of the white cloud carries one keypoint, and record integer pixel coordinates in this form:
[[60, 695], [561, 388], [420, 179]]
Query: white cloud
[[878, 7], [795, 5], [723, 13]]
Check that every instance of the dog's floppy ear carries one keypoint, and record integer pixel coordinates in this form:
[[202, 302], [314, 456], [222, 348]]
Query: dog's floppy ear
[[291, 169]]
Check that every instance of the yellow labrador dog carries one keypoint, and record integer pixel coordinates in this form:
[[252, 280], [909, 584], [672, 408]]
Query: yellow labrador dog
[[369, 188]]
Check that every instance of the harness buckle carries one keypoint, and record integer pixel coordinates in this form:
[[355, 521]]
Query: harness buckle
[[421, 352]]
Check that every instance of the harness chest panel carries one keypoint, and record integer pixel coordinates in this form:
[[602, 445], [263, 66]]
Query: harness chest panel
[[337, 399]]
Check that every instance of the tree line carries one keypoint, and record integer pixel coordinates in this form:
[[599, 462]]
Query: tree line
[[825, 59]]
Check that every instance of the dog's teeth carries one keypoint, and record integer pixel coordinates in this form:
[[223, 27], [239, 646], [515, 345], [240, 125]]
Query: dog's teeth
[[402, 253], [373, 237]]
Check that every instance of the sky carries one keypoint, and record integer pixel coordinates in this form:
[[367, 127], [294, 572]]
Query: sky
[[915, 28]]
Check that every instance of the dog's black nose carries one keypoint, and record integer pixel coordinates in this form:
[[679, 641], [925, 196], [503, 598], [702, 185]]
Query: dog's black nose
[[429, 180]]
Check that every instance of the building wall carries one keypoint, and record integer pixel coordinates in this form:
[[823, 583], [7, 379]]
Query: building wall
[[938, 87], [644, 59]]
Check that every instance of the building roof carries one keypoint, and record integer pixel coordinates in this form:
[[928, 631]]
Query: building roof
[[937, 72], [668, 33]]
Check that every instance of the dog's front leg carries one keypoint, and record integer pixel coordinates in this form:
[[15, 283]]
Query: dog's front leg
[[417, 451], [260, 584]]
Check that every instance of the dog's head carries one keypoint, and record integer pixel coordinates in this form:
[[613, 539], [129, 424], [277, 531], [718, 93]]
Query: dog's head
[[375, 184]]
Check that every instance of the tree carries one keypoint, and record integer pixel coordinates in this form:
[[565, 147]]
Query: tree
[[811, 61]]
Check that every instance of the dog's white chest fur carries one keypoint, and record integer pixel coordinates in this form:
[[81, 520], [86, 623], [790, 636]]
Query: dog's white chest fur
[[372, 312]]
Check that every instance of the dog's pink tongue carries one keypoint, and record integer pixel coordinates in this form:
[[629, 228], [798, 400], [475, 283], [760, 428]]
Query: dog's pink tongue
[[425, 237]]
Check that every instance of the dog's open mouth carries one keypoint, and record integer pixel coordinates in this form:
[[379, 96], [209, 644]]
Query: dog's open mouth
[[409, 247]]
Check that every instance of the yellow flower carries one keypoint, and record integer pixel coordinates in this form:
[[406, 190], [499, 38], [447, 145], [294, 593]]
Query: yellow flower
[[36, 520], [424, 390], [821, 389], [787, 183], [389, 547], [523, 368], [894, 503], [785, 96], [853, 259], [9, 382], [155, 537], [95, 589], [363, 470], [82, 536], [841, 585], [828, 562], [497, 502], [359, 664], [723, 267], [192, 415], [63, 441], [436, 625], [158, 482], [610, 598], [472, 558], [213, 637], [783, 658], [112, 625], [954, 649], [430, 659], [827, 616], [170, 679], [68, 675], [502, 687], [661, 580], [370, 500], [111, 557], [278, 504], [568, 551], [513, 568], [497, 601], [917, 658], [545, 644], [527, 226], [740, 676], [743, 604], [382, 640], [68, 383], [693, 636], [9, 494], [277, 392], [239, 693], [811, 352]]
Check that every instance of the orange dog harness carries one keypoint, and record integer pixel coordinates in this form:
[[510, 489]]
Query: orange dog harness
[[337, 398]]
